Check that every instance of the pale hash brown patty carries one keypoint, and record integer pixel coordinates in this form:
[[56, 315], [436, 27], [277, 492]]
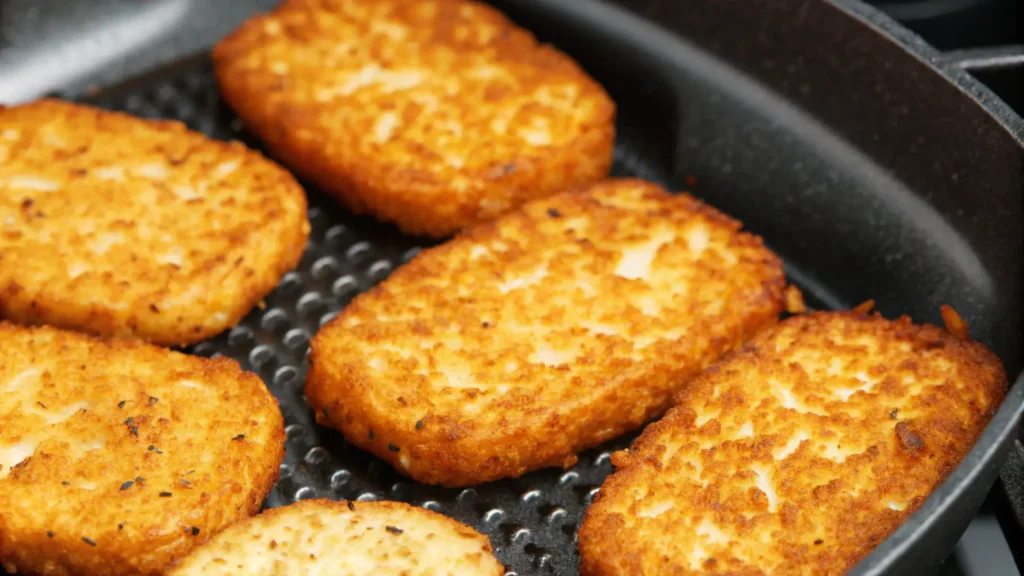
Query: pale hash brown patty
[[796, 454], [117, 456], [432, 114], [115, 225], [315, 537], [552, 329]]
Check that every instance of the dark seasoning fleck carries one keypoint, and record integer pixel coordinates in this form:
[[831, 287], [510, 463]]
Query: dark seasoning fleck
[[166, 494], [239, 437], [153, 400], [121, 404], [88, 541], [394, 448], [127, 485], [394, 530], [351, 506]]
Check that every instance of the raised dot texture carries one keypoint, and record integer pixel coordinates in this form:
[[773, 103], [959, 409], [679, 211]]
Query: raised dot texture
[[294, 431], [289, 283], [296, 338], [316, 455], [241, 336], [379, 270], [325, 267], [285, 375], [345, 287], [305, 493], [340, 478], [274, 320], [260, 355], [358, 251], [309, 304]]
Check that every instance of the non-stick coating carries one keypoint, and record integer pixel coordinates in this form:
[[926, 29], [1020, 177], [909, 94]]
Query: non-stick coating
[[851, 225]]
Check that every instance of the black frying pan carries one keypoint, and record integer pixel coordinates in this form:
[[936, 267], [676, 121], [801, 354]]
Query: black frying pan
[[877, 167]]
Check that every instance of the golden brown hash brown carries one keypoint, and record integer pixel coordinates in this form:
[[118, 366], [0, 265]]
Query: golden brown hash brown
[[115, 225], [552, 329], [432, 114], [796, 454], [117, 456], [345, 539]]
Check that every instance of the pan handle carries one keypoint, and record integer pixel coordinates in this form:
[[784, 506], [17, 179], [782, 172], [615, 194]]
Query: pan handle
[[985, 59], [1009, 502]]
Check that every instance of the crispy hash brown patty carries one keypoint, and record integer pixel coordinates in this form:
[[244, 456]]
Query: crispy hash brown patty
[[552, 329], [117, 456], [797, 454], [345, 539], [115, 225], [432, 114]]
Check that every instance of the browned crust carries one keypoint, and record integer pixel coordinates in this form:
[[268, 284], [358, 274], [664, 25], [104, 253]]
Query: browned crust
[[377, 372], [135, 530], [408, 178], [119, 226], [932, 395], [190, 564]]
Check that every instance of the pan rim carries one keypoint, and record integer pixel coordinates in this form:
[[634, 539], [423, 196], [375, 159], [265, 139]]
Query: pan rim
[[931, 57]]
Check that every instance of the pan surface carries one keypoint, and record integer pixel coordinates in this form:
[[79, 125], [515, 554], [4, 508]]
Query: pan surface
[[838, 188]]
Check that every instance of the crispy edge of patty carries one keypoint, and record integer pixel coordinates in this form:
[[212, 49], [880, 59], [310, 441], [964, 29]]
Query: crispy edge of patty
[[220, 547], [36, 553], [376, 188], [609, 546], [50, 305]]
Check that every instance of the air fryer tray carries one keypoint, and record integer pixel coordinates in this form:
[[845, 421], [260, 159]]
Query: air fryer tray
[[531, 521]]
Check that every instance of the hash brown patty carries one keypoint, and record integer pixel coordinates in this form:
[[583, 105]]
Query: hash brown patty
[[115, 225], [797, 454], [345, 539], [117, 456], [432, 114], [550, 330]]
